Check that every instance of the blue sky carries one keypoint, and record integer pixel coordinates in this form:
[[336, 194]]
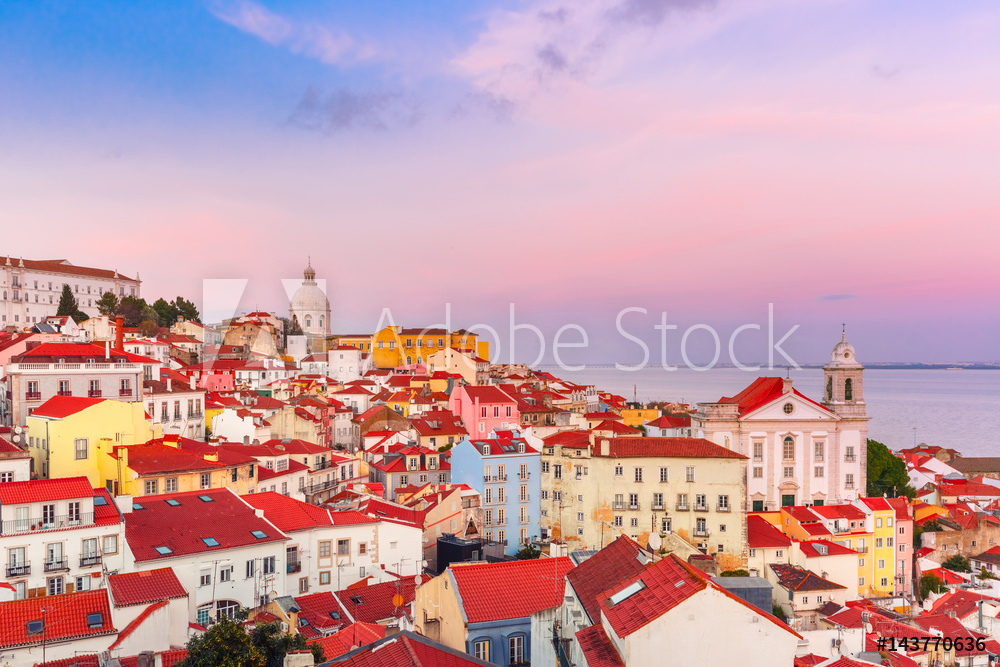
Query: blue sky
[[708, 157]]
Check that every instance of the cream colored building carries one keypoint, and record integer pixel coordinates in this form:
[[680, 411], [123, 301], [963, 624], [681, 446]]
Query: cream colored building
[[590, 494], [801, 452]]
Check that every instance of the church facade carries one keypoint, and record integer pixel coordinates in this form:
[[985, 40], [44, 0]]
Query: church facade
[[801, 452], [309, 310]]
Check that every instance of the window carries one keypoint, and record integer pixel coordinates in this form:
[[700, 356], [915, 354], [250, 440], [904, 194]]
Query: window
[[700, 501], [73, 513], [206, 480], [110, 544], [205, 579], [48, 514], [269, 565], [170, 485], [226, 574], [481, 649], [758, 451], [516, 649], [849, 481], [881, 563], [618, 521], [251, 568], [55, 586], [545, 466], [788, 471], [788, 449], [150, 487], [666, 525], [633, 501], [700, 527], [325, 549], [303, 584], [682, 501], [344, 547], [689, 474], [878, 522], [861, 581], [723, 503], [557, 471], [634, 522], [579, 516], [81, 449], [664, 475], [619, 470], [758, 472], [545, 494], [818, 471], [818, 451], [888, 542], [638, 474], [657, 501], [779, 553], [849, 454]]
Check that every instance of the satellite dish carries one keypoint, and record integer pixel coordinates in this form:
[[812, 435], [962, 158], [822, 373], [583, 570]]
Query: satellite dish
[[417, 580], [868, 628], [18, 429], [655, 541], [16, 438]]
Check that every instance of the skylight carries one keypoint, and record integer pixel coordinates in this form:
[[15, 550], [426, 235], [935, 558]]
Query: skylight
[[627, 592], [163, 551], [34, 627], [210, 541], [100, 501], [137, 506], [259, 534], [173, 503], [206, 499], [95, 620]]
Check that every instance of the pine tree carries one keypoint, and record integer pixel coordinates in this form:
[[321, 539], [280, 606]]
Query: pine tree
[[67, 303]]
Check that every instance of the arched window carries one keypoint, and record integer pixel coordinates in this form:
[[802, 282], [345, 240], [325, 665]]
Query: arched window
[[848, 390], [420, 360], [320, 321], [788, 449], [829, 388], [309, 321], [409, 360]]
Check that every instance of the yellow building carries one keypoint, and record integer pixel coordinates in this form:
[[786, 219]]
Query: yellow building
[[65, 434], [173, 464], [592, 493], [636, 417], [395, 346], [881, 516]]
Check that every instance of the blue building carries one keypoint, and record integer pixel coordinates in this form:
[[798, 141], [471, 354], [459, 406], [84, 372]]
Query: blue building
[[505, 468]]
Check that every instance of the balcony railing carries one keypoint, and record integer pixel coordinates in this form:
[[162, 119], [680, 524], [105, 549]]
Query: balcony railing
[[657, 506], [633, 506], [19, 570], [164, 418], [67, 392], [15, 526], [700, 532], [862, 550], [88, 561], [618, 506], [55, 565], [700, 508], [33, 396], [293, 566], [524, 475], [683, 507], [93, 393], [850, 459], [124, 392], [722, 508]]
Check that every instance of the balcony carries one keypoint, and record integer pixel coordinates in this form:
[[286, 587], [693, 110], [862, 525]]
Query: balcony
[[33, 396], [618, 506], [683, 507], [850, 459], [177, 416], [67, 392], [524, 475], [658, 506], [633, 506], [164, 418], [88, 561], [701, 508], [722, 508], [16, 526], [56, 565], [700, 532], [124, 392], [293, 566], [93, 393], [19, 570], [862, 550]]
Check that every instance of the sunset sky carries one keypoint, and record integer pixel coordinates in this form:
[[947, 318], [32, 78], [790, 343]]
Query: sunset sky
[[837, 158]]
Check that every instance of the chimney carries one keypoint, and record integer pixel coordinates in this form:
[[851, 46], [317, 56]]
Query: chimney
[[786, 385], [212, 456], [605, 447], [191, 382], [119, 333], [107, 349], [172, 440], [170, 384]]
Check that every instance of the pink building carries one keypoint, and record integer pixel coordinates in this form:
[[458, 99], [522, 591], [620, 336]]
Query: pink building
[[904, 546], [484, 409]]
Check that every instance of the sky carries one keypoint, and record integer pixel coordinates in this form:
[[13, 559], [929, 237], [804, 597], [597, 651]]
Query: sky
[[831, 162]]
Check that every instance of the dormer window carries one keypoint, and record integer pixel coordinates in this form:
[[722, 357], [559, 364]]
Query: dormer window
[[486, 450]]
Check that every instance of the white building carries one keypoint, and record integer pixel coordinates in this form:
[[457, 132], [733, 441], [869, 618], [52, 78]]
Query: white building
[[173, 400], [59, 536], [15, 463], [30, 289], [310, 309], [150, 610], [224, 553], [801, 451]]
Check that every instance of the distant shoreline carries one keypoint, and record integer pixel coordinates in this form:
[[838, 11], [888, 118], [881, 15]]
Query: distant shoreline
[[868, 366]]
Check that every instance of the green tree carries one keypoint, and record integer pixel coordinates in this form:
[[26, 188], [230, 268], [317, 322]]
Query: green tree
[[187, 309], [133, 311], [735, 573], [778, 612], [931, 583], [274, 643], [957, 563], [887, 473], [166, 312], [107, 304], [225, 644], [528, 552]]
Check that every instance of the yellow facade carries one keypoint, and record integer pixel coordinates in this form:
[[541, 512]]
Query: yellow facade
[[921, 513], [69, 446], [883, 553], [437, 614], [636, 417], [114, 467], [395, 346]]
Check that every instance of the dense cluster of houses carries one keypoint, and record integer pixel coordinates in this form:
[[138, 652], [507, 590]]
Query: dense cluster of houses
[[397, 499]]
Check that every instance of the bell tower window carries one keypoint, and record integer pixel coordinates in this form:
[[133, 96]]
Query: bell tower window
[[848, 390], [829, 388]]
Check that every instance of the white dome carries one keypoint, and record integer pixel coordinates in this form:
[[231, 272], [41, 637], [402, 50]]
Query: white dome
[[309, 306], [309, 298], [843, 354]]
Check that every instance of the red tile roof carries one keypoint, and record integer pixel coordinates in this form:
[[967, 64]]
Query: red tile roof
[[407, 649], [604, 570], [145, 587], [139, 620], [762, 391], [288, 514], [318, 609], [374, 603], [65, 618], [616, 428], [796, 579], [953, 628], [512, 589], [666, 447], [353, 636], [181, 528], [486, 394], [578, 439], [963, 603], [381, 509], [597, 647], [820, 548], [40, 490], [877, 504], [761, 534], [156, 458], [670, 421], [967, 489], [81, 351], [60, 407]]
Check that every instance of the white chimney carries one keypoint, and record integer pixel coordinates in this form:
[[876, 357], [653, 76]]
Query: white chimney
[[107, 349], [169, 385]]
